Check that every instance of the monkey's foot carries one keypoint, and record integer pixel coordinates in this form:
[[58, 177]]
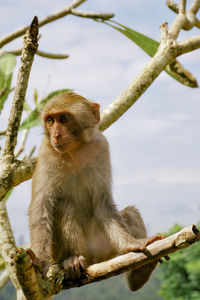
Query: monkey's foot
[[154, 239], [74, 267]]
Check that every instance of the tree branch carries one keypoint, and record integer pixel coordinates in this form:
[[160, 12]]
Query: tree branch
[[22, 142], [8, 246], [4, 277], [51, 18], [193, 10], [94, 15], [29, 49], [182, 239], [14, 172], [18, 52], [167, 52]]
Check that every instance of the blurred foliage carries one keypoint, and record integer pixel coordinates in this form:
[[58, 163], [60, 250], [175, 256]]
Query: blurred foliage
[[180, 277], [7, 64], [109, 289]]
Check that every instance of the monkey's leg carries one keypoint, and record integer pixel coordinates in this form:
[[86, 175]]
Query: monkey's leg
[[138, 277]]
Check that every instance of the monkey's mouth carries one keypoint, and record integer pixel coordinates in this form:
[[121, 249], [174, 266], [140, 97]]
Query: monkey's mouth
[[62, 147]]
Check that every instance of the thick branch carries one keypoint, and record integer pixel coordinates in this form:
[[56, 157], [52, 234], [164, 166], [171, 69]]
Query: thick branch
[[29, 49], [182, 239], [165, 55], [167, 52]]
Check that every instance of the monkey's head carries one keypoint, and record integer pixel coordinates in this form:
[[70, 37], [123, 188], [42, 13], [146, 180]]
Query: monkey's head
[[69, 121]]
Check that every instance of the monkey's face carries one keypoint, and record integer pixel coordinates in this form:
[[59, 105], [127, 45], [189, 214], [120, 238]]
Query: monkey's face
[[63, 131]]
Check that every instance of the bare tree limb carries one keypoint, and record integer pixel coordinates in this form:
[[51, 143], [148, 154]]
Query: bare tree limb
[[57, 282], [51, 18], [22, 142], [175, 8], [14, 172], [4, 277], [94, 15], [3, 132], [18, 52], [30, 47], [167, 52], [8, 246]]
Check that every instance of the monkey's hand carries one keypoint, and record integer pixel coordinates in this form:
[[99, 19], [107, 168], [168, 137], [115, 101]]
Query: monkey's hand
[[74, 267]]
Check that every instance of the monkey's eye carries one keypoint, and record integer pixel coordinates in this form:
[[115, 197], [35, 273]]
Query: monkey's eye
[[50, 120], [64, 118]]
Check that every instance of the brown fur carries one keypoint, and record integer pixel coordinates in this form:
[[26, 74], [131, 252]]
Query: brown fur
[[72, 217]]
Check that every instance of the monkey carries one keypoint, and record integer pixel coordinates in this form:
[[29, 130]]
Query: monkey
[[73, 219]]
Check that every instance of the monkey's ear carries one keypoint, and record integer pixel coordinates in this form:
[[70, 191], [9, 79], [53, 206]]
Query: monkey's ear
[[96, 112]]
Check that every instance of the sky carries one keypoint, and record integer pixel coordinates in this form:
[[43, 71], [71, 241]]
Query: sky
[[155, 146]]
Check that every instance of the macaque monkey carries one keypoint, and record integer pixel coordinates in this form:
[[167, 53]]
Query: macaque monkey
[[72, 217]]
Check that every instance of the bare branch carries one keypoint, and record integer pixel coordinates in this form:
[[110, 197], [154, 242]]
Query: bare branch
[[191, 18], [173, 6], [18, 52], [188, 45], [51, 18], [29, 49], [7, 245], [4, 277], [22, 142], [182, 6], [14, 172], [3, 132], [167, 52], [182, 239], [52, 55], [94, 15]]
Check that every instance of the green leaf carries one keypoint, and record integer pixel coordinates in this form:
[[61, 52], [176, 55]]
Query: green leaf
[[150, 46], [7, 63], [33, 118]]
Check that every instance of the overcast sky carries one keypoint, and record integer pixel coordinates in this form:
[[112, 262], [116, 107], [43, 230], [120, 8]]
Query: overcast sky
[[155, 146]]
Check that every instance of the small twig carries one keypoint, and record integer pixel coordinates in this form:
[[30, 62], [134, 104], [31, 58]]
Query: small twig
[[191, 14], [4, 277], [3, 132], [94, 15], [3, 91], [22, 142], [182, 6], [29, 49], [7, 243], [31, 152], [52, 55], [18, 52], [51, 18], [173, 6]]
